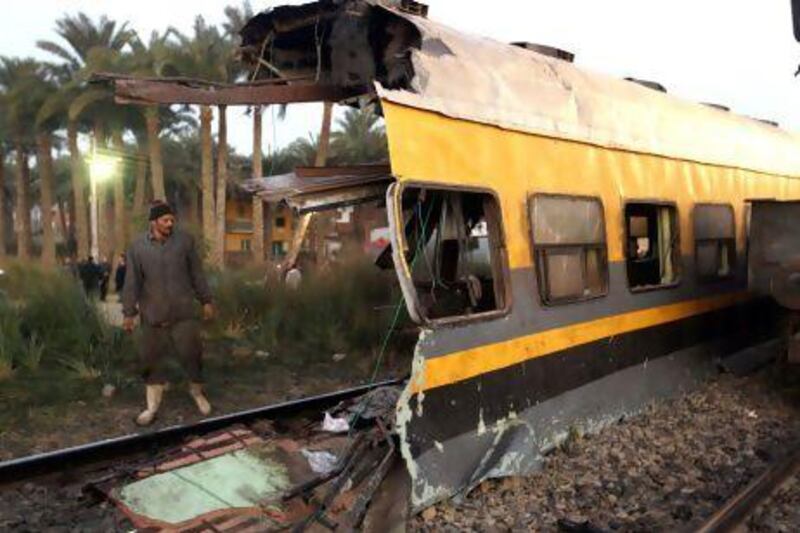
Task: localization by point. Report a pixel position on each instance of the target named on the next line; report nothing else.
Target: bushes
(346, 310)
(45, 320)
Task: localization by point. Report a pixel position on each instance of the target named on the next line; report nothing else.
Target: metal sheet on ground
(235, 480)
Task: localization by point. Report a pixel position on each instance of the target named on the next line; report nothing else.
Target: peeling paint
(421, 490)
(481, 423)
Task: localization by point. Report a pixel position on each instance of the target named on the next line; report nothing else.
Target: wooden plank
(149, 92)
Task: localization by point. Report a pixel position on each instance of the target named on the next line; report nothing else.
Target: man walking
(163, 277)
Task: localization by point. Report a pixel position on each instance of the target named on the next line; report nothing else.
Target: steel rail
(736, 510)
(66, 459)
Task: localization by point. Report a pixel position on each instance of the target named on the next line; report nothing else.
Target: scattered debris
(320, 462)
(109, 390)
(339, 357)
(284, 474)
(335, 425)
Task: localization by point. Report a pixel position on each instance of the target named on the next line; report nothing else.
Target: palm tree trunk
(62, 222)
(258, 203)
(120, 213)
(45, 163)
(81, 221)
(324, 135)
(105, 219)
(320, 161)
(24, 237)
(2, 203)
(222, 183)
(140, 187)
(154, 144)
(207, 175)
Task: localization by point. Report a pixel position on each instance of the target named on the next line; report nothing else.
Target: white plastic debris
(339, 357)
(320, 462)
(335, 425)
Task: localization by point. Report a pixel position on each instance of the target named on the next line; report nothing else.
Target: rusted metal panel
(129, 90)
(310, 189)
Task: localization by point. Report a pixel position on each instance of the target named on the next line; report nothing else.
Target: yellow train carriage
(572, 245)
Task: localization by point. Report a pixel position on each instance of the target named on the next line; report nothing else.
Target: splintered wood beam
(151, 92)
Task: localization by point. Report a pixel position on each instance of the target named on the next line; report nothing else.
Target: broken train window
(652, 251)
(453, 251)
(569, 242)
(715, 241)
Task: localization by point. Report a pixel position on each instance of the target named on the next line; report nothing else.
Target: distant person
(89, 272)
(163, 277)
(104, 275)
(294, 277)
(119, 275)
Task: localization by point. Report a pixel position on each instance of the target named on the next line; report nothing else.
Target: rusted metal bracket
(139, 91)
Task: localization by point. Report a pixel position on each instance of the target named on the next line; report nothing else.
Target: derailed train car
(572, 245)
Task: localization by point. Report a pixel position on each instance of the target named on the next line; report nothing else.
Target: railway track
(111, 451)
(735, 512)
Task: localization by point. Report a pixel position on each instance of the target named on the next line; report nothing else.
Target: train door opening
(651, 245)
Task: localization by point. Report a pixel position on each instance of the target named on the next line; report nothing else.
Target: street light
(101, 168)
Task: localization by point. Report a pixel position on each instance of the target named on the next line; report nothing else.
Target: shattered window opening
(569, 241)
(652, 246)
(453, 251)
(715, 241)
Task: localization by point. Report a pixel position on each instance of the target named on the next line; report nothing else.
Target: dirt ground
(51, 411)
(663, 470)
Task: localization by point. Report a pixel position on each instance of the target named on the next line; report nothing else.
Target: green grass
(346, 310)
(47, 322)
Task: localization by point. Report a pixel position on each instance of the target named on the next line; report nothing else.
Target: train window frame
(677, 262)
(732, 252)
(539, 251)
(502, 273)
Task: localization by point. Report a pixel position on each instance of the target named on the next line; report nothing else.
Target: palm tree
(236, 18)
(360, 138)
(82, 38)
(3, 137)
(22, 84)
(206, 54)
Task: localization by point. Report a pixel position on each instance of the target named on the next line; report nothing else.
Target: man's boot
(154, 394)
(196, 391)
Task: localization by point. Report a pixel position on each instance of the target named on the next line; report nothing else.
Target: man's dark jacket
(163, 279)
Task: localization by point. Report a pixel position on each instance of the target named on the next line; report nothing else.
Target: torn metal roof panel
(320, 188)
(141, 91)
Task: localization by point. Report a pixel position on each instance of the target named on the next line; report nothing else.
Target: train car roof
(479, 79)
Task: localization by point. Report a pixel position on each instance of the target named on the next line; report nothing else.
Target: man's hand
(128, 323)
(208, 312)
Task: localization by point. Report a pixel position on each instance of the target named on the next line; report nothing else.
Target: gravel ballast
(663, 470)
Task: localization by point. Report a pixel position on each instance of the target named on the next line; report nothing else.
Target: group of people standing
(95, 277)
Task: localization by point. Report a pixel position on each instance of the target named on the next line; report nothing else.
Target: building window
(569, 243)
(714, 241)
(454, 252)
(652, 248)
(280, 222)
(245, 245)
(241, 210)
(279, 248)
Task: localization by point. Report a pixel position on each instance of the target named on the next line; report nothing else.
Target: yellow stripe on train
(459, 366)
